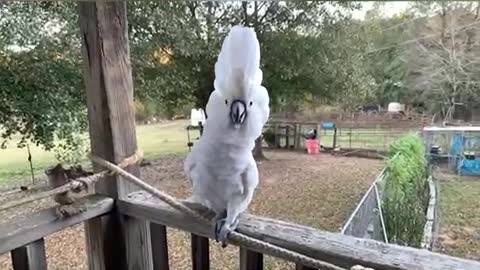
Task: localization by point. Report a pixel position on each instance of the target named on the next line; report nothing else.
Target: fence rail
(24, 238)
(45, 222)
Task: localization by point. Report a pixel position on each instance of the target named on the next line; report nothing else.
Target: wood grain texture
(342, 250)
(43, 223)
(30, 257)
(250, 260)
(200, 252)
(159, 246)
(301, 267)
(109, 88)
(94, 244)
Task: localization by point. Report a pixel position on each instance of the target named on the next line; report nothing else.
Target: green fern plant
(405, 191)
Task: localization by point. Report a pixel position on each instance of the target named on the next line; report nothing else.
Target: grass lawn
(460, 217)
(155, 140)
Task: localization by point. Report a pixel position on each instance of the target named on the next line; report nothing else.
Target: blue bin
(328, 125)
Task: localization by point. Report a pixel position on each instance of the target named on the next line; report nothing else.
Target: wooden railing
(25, 239)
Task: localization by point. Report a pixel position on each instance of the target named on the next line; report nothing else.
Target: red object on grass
(312, 146)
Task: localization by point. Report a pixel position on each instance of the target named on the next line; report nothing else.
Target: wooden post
(287, 137)
(124, 241)
(334, 137)
(159, 247)
(277, 136)
(298, 130)
(301, 267)
(200, 253)
(250, 260)
(30, 257)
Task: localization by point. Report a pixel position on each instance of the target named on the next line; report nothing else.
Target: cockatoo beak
(238, 113)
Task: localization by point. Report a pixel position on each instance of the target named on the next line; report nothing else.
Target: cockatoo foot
(223, 230)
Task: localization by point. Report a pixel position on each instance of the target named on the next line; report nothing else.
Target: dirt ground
(319, 191)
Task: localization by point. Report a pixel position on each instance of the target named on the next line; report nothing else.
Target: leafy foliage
(41, 86)
(73, 149)
(405, 191)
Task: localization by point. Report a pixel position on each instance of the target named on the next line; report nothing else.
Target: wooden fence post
(124, 242)
(250, 260)
(200, 252)
(30, 257)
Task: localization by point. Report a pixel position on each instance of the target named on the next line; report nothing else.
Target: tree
(41, 96)
(384, 57)
(444, 59)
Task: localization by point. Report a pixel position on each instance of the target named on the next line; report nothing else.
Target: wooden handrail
(43, 223)
(344, 251)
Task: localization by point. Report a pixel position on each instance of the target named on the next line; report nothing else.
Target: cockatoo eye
(226, 101)
(251, 103)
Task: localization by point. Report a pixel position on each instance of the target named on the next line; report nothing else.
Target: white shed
(396, 107)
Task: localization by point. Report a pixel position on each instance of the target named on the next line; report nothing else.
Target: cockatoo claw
(222, 231)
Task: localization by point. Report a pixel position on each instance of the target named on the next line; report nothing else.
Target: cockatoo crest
(239, 99)
(238, 66)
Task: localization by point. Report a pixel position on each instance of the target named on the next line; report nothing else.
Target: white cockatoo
(221, 166)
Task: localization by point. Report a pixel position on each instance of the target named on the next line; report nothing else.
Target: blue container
(328, 125)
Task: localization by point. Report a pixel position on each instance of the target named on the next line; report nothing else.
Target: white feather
(238, 62)
(220, 166)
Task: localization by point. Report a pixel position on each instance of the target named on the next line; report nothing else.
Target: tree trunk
(258, 150)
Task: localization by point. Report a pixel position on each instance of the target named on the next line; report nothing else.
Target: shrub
(405, 191)
(73, 150)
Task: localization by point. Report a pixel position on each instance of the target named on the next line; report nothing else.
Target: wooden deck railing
(25, 239)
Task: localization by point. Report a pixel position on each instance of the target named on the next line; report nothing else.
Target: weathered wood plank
(138, 243)
(159, 246)
(109, 88)
(250, 260)
(94, 236)
(200, 252)
(40, 224)
(30, 257)
(338, 249)
(301, 267)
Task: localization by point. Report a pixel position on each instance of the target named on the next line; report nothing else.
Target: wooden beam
(108, 81)
(250, 260)
(159, 247)
(30, 257)
(43, 223)
(200, 252)
(342, 250)
(301, 267)
(94, 236)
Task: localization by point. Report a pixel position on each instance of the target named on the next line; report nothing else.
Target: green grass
(155, 140)
(460, 216)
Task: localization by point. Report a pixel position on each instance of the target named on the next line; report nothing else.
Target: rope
(234, 237)
(76, 185)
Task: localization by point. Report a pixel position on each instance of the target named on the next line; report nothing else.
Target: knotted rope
(75, 185)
